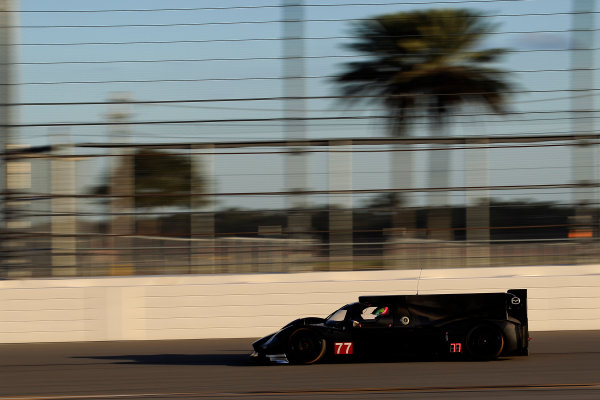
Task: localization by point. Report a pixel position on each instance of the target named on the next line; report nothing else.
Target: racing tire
(305, 346)
(485, 342)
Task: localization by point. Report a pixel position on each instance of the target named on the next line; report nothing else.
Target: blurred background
(294, 135)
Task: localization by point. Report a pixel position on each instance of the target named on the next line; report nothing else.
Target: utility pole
(63, 205)
(8, 79)
(8, 118)
(121, 189)
(582, 108)
(202, 210)
(340, 205)
(439, 218)
(477, 206)
(294, 113)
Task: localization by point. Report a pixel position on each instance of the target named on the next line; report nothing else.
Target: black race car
(480, 326)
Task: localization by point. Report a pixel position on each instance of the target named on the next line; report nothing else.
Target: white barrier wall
(252, 305)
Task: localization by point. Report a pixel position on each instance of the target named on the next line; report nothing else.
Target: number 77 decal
(455, 348)
(342, 348)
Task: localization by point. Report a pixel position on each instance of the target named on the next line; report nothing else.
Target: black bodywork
(477, 326)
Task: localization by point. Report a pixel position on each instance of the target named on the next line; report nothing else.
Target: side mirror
(356, 324)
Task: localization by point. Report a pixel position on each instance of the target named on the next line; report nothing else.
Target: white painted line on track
(445, 389)
(102, 396)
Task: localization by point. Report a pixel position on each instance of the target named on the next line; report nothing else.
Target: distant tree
(424, 63)
(161, 179)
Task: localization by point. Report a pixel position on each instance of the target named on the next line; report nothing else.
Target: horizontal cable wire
(278, 98)
(354, 109)
(238, 59)
(273, 119)
(282, 119)
(473, 146)
(264, 6)
(365, 195)
(273, 21)
(18, 196)
(354, 173)
(260, 140)
(42, 212)
(277, 39)
(198, 80)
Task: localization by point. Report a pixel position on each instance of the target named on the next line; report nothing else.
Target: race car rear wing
(517, 307)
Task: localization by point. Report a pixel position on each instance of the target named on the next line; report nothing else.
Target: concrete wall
(251, 305)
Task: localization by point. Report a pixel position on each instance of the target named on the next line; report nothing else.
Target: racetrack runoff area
(252, 305)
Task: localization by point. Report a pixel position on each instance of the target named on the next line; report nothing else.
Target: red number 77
(343, 348)
(455, 347)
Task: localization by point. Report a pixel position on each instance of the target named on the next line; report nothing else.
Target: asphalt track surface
(561, 365)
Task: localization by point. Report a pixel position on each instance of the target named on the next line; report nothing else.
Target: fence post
(340, 205)
(63, 210)
(202, 211)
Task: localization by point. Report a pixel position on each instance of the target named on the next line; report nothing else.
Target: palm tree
(424, 64)
(161, 179)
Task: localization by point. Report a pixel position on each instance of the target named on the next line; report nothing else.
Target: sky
(214, 49)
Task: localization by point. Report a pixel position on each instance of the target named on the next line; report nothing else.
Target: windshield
(337, 316)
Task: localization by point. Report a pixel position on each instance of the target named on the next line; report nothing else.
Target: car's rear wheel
(305, 346)
(485, 342)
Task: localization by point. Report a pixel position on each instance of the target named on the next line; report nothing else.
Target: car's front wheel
(305, 346)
